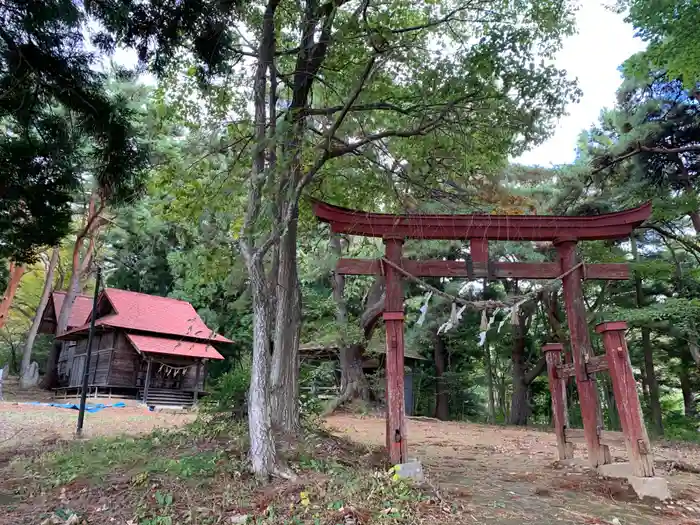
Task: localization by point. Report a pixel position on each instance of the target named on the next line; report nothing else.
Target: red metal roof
(80, 311)
(164, 345)
(151, 313)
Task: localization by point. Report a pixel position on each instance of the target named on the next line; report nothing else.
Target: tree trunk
(645, 387)
(520, 408)
(522, 377)
(353, 383)
(654, 402)
(442, 409)
(16, 273)
(491, 416)
(51, 377)
(262, 441)
(694, 349)
(688, 394)
(502, 401)
(695, 219)
(93, 222)
(31, 336)
(284, 372)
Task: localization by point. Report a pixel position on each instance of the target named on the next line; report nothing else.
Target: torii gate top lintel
(495, 227)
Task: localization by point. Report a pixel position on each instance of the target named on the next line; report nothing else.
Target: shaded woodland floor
(197, 474)
(508, 475)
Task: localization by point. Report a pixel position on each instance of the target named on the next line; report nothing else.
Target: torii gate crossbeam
(565, 232)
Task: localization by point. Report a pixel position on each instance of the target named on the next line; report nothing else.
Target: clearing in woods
(508, 475)
(25, 425)
(476, 474)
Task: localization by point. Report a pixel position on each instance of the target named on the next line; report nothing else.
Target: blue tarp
(88, 408)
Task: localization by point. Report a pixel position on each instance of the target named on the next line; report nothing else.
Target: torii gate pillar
(581, 349)
(479, 230)
(393, 321)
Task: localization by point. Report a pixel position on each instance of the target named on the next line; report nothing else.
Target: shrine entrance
(564, 232)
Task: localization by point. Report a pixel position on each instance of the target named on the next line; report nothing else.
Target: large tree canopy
(670, 28)
(424, 99)
(58, 123)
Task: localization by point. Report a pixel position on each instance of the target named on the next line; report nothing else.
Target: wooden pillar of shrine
(581, 350)
(557, 387)
(393, 321)
(626, 398)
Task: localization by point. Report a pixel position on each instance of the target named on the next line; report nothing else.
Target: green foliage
(679, 427)
(670, 29)
(229, 393)
(58, 122)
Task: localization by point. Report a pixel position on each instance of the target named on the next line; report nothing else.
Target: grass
(193, 476)
(94, 460)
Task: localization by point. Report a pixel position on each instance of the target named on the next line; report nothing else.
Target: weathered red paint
(479, 250)
(581, 349)
(393, 320)
(499, 270)
(482, 226)
(626, 398)
(565, 232)
(557, 387)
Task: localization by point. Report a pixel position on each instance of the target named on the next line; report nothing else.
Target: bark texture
(689, 403)
(262, 441)
(522, 376)
(93, 222)
(34, 329)
(353, 383)
(16, 273)
(650, 374)
(654, 400)
(284, 373)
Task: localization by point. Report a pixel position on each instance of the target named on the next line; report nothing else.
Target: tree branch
(647, 149)
(535, 371)
(375, 106)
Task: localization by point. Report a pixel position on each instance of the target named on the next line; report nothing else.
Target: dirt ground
(24, 424)
(509, 476)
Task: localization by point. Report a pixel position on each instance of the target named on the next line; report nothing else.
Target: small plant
(163, 500)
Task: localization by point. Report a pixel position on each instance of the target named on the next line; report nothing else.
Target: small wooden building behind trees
(147, 347)
(373, 361)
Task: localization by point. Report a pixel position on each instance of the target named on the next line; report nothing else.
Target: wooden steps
(168, 397)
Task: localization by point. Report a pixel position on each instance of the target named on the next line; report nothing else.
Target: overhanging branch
(648, 149)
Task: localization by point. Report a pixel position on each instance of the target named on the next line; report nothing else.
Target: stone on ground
(413, 470)
(31, 378)
(656, 487)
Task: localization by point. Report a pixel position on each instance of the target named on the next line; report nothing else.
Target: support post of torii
(565, 232)
(581, 350)
(393, 320)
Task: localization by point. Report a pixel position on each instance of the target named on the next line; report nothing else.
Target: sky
(593, 55)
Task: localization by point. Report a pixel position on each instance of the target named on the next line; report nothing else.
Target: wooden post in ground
(196, 380)
(557, 387)
(581, 350)
(148, 380)
(393, 321)
(626, 398)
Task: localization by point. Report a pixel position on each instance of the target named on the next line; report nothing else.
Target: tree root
(284, 472)
(335, 404)
(675, 464)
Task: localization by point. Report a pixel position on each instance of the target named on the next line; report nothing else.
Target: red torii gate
(565, 232)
